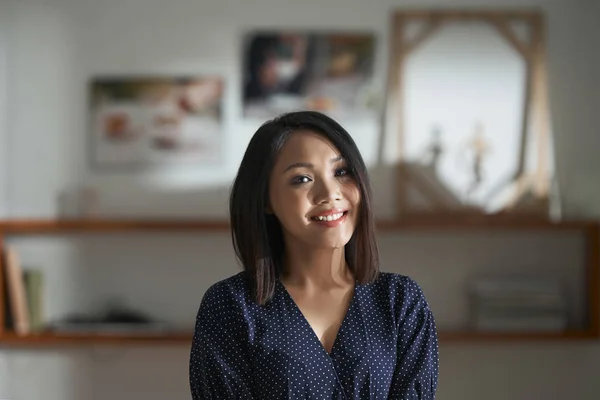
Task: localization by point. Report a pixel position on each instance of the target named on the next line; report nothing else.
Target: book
(16, 291)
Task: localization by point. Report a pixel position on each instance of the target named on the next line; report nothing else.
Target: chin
(322, 238)
(331, 243)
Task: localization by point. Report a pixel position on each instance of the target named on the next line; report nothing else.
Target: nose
(327, 191)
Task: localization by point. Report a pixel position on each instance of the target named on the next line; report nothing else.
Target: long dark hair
(257, 235)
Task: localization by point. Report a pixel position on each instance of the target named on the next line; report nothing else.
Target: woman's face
(312, 193)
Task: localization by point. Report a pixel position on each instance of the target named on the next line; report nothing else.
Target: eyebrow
(309, 165)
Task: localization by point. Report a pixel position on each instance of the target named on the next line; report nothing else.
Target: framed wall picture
(329, 72)
(138, 122)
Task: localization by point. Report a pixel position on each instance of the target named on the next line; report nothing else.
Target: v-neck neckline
(309, 326)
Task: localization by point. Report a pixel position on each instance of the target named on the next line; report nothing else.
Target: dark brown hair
(257, 236)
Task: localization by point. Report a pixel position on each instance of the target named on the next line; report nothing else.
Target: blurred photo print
(139, 121)
(327, 72)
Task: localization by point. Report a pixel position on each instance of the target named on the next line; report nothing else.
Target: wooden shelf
(107, 225)
(58, 226)
(590, 229)
(52, 339)
(449, 14)
(185, 338)
(466, 336)
(481, 223)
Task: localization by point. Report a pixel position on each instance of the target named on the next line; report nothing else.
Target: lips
(330, 218)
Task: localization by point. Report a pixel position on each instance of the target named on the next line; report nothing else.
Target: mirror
(468, 106)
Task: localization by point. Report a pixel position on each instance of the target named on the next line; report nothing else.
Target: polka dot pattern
(386, 347)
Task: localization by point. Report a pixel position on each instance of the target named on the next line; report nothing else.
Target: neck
(316, 268)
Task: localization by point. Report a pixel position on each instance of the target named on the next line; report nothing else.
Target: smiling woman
(311, 187)
(311, 315)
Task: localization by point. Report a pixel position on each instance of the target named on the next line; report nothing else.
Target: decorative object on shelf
(146, 121)
(34, 288)
(114, 319)
(16, 307)
(78, 202)
(518, 304)
(435, 150)
(324, 71)
(22, 294)
(480, 79)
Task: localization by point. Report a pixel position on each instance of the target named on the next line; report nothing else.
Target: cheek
(352, 194)
(287, 203)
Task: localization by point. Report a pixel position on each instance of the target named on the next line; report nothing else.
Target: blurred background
(483, 116)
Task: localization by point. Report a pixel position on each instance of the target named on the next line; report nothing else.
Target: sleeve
(219, 366)
(416, 373)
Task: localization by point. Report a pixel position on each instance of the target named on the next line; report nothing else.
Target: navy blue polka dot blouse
(386, 347)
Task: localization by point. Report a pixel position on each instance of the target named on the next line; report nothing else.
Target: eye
(298, 180)
(342, 172)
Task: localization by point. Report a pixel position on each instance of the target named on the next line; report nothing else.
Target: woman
(311, 316)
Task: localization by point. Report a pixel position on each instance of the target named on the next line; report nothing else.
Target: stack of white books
(517, 304)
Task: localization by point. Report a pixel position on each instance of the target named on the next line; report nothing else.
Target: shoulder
(234, 285)
(221, 321)
(224, 297)
(397, 285)
(401, 293)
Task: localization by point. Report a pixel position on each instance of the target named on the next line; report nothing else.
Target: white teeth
(331, 217)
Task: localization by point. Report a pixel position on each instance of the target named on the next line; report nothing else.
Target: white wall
(4, 365)
(56, 46)
(572, 36)
(4, 43)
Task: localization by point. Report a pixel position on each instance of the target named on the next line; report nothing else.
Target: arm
(416, 373)
(219, 367)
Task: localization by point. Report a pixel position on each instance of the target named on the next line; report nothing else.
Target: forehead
(307, 145)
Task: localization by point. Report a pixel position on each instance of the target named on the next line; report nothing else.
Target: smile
(331, 217)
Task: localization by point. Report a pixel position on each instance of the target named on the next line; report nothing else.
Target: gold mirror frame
(535, 111)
